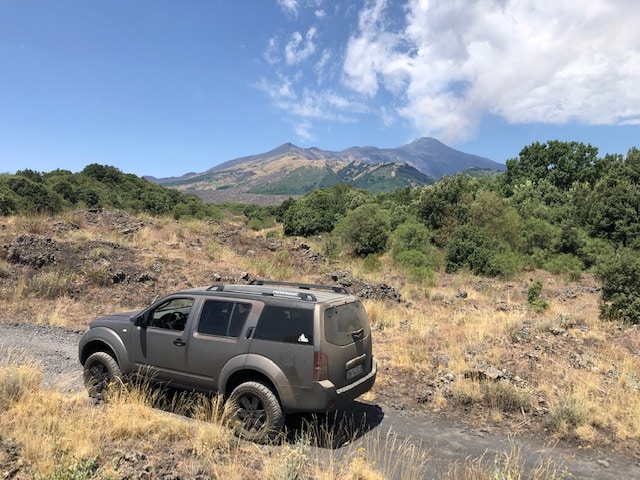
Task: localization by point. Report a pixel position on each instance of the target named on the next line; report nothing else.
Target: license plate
(355, 371)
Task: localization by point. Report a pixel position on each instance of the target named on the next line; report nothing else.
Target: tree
(33, 195)
(561, 163)
(614, 211)
(317, 212)
(491, 211)
(444, 206)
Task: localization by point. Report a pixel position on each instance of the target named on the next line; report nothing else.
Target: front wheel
(100, 372)
(257, 412)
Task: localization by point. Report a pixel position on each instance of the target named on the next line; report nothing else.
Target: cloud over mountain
(448, 63)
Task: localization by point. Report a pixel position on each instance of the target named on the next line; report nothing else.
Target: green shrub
(593, 250)
(540, 234)
(316, 212)
(257, 224)
(534, 301)
(620, 278)
(372, 263)
(365, 230)
(475, 248)
(411, 258)
(411, 235)
(422, 276)
(565, 264)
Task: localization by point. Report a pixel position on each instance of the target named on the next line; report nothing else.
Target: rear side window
(223, 318)
(345, 323)
(282, 324)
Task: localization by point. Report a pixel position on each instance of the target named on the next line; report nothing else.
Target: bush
(534, 301)
(365, 230)
(593, 250)
(418, 267)
(540, 235)
(565, 264)
(259, 218)
(620, 278)
(411, 258)
(474, 248)
(411, 235)
(372, 263)
(316, 212)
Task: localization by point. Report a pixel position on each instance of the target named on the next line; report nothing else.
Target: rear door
(347, 342)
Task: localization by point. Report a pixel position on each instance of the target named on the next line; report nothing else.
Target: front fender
(95, 339)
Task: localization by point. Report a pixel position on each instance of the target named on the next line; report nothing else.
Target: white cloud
(290, 7)
(303, 130)
(298, 48)
(271, 53)
(450, 61)
(321, 65)
(288, 94)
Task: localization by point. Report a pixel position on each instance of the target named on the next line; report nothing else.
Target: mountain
(289, 170)
(428, 155)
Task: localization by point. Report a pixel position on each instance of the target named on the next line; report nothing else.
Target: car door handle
(179, 343)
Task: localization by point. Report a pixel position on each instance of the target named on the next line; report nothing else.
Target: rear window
(342, 322)
(283, 324)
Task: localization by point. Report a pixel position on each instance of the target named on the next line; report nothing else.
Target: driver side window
(172, 314)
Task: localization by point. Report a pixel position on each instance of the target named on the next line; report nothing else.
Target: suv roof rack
(309, 297)
(302, 286)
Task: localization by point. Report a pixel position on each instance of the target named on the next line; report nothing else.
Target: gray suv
(270, 348)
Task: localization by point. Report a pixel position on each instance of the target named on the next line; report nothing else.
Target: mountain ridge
(290, 170)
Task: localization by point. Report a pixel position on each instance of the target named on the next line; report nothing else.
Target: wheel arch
(260, 369)
(248, 375)
(105, 340)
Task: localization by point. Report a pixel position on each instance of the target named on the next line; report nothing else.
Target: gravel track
(53, 349)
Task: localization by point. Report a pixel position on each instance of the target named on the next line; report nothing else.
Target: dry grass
(62, 436)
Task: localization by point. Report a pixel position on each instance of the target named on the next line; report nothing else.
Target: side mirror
(140, 321)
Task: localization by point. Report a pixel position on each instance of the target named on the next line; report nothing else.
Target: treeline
(558, 207)
(97, 186)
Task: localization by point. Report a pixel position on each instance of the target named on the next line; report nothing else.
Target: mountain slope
(428, 155)
(291, 170)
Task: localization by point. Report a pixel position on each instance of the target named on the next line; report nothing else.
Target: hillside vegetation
(511, 303)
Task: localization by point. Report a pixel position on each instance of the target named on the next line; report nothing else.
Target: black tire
(101, 371)
(257, 414)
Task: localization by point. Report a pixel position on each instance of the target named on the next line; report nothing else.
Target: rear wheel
(100, 372)
(257, 412)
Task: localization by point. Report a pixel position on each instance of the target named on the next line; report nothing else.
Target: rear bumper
(324, 396)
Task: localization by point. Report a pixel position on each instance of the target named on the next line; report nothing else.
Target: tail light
(320, 366)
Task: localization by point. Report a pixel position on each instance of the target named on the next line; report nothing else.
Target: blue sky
(163, 88)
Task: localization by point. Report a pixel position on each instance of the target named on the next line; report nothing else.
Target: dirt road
(444, 441)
